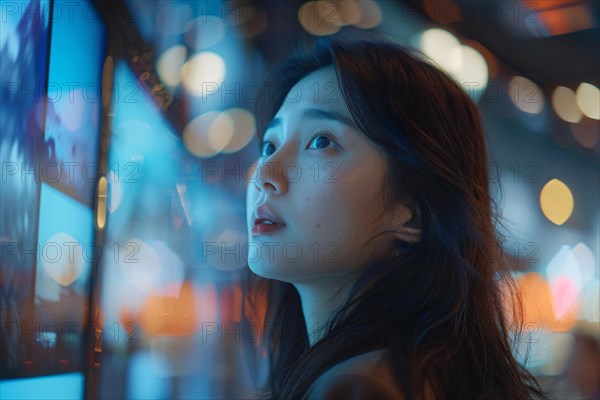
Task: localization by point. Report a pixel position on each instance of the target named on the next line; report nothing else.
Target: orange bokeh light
(538, 305)
(165, 315)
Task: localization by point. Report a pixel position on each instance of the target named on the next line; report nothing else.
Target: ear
(406, 220)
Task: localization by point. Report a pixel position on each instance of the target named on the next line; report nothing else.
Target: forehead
(320, 89)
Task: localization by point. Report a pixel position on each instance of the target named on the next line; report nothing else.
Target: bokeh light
(202, 69)
(537, 299)
(171, 315)
(586, 262)
(564, 295)
(320, 18)
(213, 132)
(169, 65)
(539, 308)
(564, 264)
(588, 100)
(208, 134)
(140, 263)
(591, 299)
(370, 14)
(244, 127)
(469, 67)
(63, 259)
(565, 106)
(493, 66)
(438, 44)
(220, 132)
(350, 11)
(464, 63)
(146, 264)
(526, 95)
(556, 201)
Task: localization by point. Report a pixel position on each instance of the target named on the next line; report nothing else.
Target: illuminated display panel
(52, 59)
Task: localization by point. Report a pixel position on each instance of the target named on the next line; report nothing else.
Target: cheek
(331, 213)
(320, 203)
(357, 206)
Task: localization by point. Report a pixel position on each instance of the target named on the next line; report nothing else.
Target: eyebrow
(316, 113)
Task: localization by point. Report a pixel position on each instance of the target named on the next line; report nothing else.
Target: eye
(321, 140)
(267, 148)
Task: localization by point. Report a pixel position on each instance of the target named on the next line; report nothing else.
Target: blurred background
(127, 141)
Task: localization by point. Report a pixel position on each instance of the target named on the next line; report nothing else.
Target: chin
(263, 269)
(269, 270)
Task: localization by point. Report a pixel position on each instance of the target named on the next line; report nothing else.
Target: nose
(269, 176)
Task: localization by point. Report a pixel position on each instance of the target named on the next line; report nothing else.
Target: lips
(265, 220)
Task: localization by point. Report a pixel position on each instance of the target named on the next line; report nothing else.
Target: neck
(319, 302)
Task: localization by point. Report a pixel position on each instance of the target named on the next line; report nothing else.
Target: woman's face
(323, 179)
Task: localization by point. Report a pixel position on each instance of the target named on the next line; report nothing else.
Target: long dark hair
(438, 306)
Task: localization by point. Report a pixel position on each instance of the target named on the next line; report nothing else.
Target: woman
(370, 215)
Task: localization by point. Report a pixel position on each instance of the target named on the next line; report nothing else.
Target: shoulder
(366, 376)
